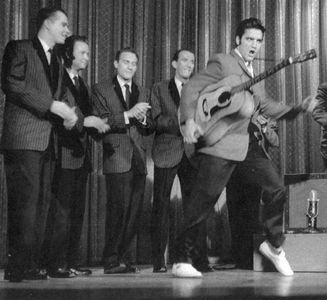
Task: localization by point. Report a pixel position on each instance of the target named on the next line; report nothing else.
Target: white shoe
(185, 270)
(279, 260)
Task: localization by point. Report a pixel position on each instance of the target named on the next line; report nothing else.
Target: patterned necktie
(127, 94)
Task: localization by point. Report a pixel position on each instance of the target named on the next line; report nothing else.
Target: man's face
(81, 54)
(250, 43)
(184, 66)
(126, 65)
(58, 27)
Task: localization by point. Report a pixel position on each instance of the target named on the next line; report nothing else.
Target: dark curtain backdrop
(156, 28)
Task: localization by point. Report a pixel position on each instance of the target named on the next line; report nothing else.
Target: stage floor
(223, 284)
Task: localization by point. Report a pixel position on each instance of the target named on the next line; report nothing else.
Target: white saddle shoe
(185, 270)
(278, 259)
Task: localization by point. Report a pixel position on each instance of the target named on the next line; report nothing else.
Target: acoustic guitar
(219, 102)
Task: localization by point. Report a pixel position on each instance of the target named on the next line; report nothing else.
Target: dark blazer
(319, 114)
(122, 140)
(73, 144)
(168, 147)
(27, 84)
(234, 144)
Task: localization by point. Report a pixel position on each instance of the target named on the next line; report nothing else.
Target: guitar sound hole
(223, 98)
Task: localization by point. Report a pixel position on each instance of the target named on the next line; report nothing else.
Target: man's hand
(191, 132)
(64, 111)
(138, 111)
(99, 124)
(308, 104)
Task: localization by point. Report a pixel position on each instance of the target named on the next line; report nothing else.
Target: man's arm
(319, 112)
(163, 123)
(115, 120)
(14, 83)
(17, 90)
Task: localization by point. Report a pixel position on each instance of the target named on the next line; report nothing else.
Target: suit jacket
(168, 148)
(122, 141)
(26, 82)
(234, 144)
(74, 143)
(319, 114)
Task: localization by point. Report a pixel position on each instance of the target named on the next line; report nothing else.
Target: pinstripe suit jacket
(234, 144)
(168, 147)
(319, 113)
(27, 85)
(122, 140)
(74, 144)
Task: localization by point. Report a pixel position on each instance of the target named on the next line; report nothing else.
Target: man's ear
(237, 40)
(174, 64)
(116, 64)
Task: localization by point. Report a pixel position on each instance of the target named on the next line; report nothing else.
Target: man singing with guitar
(225, 142)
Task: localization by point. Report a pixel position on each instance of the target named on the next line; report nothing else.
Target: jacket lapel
(241, 63)
(174, 91)
(40, 51)
(134, 95)
(119, 92)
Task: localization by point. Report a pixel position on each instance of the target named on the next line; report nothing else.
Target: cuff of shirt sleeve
(126, 118)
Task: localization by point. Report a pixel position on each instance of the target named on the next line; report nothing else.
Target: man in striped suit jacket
(126, 105)
(74, 164)
(170, 159)
(32, 83)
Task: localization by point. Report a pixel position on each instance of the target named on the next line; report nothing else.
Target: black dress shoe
(160, 269)
(35, 274)
(132, 269)
(60, 273)
(80, 271)
(115, 268)
(13, 276)
(204, 268)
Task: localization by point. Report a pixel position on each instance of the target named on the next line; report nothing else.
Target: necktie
(127, 94)
(76, 83)
(53, 69)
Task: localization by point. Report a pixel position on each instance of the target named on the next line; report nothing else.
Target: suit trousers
(212, 177)
(125, 192)
(69, 208)
(29, 176)
(163, 182)
(244, 203)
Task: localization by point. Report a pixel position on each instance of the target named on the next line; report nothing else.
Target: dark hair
(123, 50)
(251, 23)
(176, 54)
(68, 48)
(45, 13)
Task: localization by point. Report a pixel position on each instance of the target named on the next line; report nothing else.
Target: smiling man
(126, 106)
(170, 159)
(72, 170)
(32, 82)
(238, 149)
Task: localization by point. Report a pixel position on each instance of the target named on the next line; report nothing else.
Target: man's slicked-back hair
(176, 54)
(126, 49)
(68, 48)
(250, 23)
(45, 13)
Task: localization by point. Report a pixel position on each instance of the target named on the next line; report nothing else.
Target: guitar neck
(246, 85)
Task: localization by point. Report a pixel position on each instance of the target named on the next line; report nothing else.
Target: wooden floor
(224, 284)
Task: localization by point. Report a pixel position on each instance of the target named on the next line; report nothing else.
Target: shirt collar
(122, 82)
(45, 46)
(248, 64)
(71, 74)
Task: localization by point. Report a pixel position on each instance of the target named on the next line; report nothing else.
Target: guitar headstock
(310, 54)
